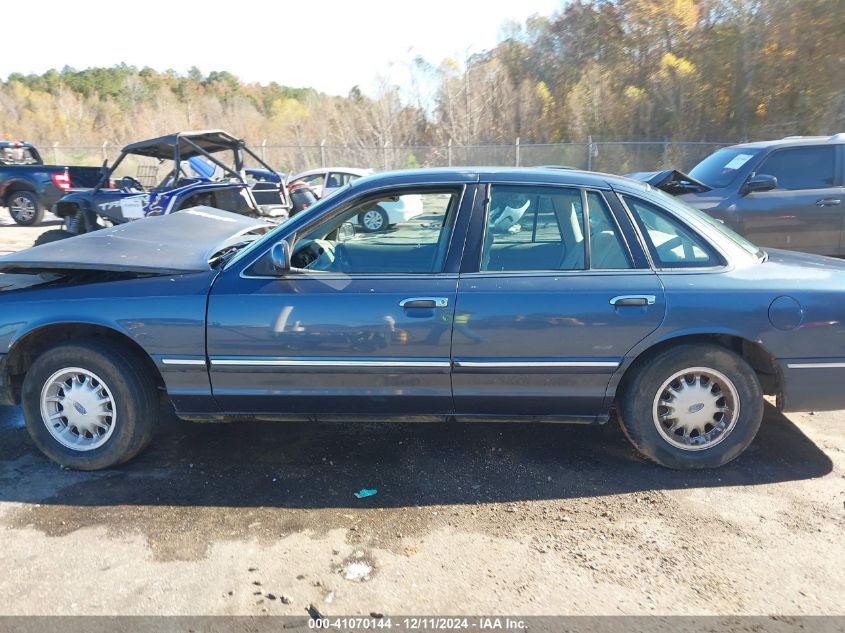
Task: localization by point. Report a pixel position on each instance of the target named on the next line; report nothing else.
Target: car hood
(182, 242)
(671, 181)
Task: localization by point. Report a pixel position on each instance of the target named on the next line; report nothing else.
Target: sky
(331, 45)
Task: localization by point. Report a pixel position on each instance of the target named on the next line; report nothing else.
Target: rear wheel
(374, 220)
(89, 405)
(25, 208)
(692, 406)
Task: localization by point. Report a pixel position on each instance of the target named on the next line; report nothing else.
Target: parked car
(207, 168)
(788, 193)
(327, 180)
(613, 299)
(28, 187)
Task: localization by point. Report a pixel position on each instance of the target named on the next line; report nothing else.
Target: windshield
(721, 168)
(685, 212)
(272, 236)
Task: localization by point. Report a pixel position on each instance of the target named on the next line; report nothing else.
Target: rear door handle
(828, 202)
(424, 302)
(632, 300)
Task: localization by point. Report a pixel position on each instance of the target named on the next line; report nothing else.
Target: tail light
(61, 180)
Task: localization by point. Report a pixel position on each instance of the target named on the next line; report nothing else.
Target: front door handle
(424, 302)
(828, 202)
(632, 300)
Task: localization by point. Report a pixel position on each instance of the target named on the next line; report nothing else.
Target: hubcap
(373, 220)
(78, 409)
(22, 208)
(696, 408)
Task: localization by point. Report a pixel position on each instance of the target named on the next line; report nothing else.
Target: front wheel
(89, 404)
(25, 208)
(692, 406)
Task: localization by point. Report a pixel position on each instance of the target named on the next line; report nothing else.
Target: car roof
(795, 141)
(515, 175)
(162, 147)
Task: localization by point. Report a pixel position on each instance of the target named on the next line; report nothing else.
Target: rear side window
(670, 242)
(533, 228)
(801, 167)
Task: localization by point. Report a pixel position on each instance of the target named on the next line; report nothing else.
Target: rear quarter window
(670, 243)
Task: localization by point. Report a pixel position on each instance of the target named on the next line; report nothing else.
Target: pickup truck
(787, 193)
(28, 186)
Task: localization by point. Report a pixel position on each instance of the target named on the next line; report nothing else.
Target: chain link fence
(609, 156)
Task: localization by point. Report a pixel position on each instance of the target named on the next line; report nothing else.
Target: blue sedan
(516, 295)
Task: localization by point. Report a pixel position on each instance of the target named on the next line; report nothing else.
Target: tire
(708, 432)
(53, 235)
(374, 220)
(25, 208)
(95, 369)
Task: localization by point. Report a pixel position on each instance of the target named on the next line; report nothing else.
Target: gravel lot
(260, 518)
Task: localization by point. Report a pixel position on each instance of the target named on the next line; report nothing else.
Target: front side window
(671, 244)
(801, 167)
(405, 233)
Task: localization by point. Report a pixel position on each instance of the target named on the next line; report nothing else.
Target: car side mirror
(280, 256)
(760, 182)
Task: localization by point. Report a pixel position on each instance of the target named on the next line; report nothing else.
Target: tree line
(721, 70)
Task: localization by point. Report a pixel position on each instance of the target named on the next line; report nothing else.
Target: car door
(361, 324)
(547, 308)
(806, 210)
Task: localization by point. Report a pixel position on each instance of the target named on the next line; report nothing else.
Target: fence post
(264, 150)
(105, 150)
(323, 153)
(449, 152)
(517, 151)
(589, 153)
(55, 152)
(384, 155)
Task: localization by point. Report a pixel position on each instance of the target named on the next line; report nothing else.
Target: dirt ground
(260, 518)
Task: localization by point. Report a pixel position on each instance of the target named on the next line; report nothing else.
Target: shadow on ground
(297, 465)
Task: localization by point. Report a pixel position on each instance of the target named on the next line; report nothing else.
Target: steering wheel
(314, 255)
(128, 182)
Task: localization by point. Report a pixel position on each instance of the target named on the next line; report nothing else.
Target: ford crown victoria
(541, 294)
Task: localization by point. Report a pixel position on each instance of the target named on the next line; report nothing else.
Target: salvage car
(207, 168)
(612, 300)
(28, 187)
(788, 193)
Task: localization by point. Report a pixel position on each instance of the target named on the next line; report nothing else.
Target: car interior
(548, 233)
(416, 246)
